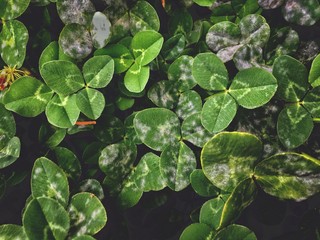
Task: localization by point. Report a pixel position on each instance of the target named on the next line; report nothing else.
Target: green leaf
(304, 13)
(289, 176)
(136, 78)
(229, 157)
(204, 3)
(225, 37)
(92, 186)
(27, 96)
(211, 211)
(193, 131)
(312, 102)
(253, 87)
(235, 232)
(13, 9)
(48, 180)
(218, 112)
(10, 153)
(173, 47)
(131, 134)
(181, 71)
(62, 111)
(12, 232)
(146, 46)
(116, 161)
(51, 136)
(87, 214)
(90, 102)
(75, 41)
(180, 22)
(100, 30)
(294, 126)
(63, 77)
(314, 75)
(83, 237)
(201, 184)
(209, 72)
(223, 12)
(73, 11)
(189, 103)
(13, 37)
(283, 41)
(164, 94)
(241, 197)
(197, 231)
(245, 7)
(124, 103)
(109, 129)
(69, 162)
(143, 17)
(98, 71)
(176, 164)
(248, 56)
(120, 54)
(7, 124)
(45, 218)
(160, 133)
(292, 78)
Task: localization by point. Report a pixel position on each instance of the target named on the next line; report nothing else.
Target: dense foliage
(131, 101)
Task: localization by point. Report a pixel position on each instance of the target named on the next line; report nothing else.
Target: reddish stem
(85, 123)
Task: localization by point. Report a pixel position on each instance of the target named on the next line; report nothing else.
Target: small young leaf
(292, 78)
(289, 176)
(229, 157)
(136, 78)
(27, 96)
(48, 180)
(180, 22)
(312, 102)
(69, 162)
(160, 133)
(146, 46)
(235, 232)
(245, 7)
(253, 87)
(84, 237)
(120, 54)
(98, 71)
(91, 102)
(304, 13)
(13, 9)
(75, 40)
(62, 111)
(10, 153)
(210, 72)
(100, 30)
(218, 112)
(63, 77)
(197, 231)
(51, 136)
(201, 184)
(294, 126)
(12, 232)
(87, 214)
(204, 3)
(13, 37)
(193, 131)
(314, 75)
(143, 17)
(176, 164)
(74, 11)
(164, 94)
(180, 71)
(241, 197)
(189, 103)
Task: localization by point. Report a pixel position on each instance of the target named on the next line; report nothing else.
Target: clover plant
(135, 111)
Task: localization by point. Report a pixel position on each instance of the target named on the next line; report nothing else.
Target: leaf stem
(85, 123)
